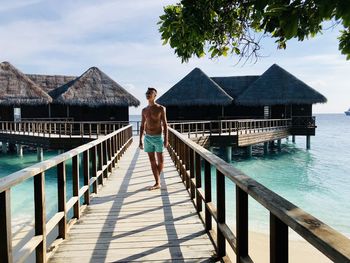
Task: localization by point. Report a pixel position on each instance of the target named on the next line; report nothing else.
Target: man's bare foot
(154, 187)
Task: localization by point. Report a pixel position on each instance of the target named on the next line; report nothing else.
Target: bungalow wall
(288, 111)
(6, 113)
(302, 110)
(243, 112)
(85, 113)
(175, 113)
(34, 111)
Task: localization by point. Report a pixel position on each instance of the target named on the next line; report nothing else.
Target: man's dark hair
(152, 89)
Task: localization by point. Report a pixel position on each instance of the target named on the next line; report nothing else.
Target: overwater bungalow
(274, 94)
(20, 95)
(93, 96)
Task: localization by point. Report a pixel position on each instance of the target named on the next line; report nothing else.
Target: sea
(316, 180)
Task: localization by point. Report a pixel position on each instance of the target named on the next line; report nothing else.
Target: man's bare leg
(160, 160)
(155, 170)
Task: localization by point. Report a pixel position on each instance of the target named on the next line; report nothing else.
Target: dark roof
(50, 82)
(196, 88)
(277, 86)
(236, 85)
(17, 89)
(93, 88)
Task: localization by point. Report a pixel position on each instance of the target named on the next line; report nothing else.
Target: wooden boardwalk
(125, 222)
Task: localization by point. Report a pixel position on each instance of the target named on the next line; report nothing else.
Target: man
(153, 118)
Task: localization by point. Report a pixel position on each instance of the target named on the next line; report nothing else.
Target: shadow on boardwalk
(125, 222)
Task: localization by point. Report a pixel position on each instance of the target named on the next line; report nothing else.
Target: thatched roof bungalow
(274, 94)
(196, 94)
(17, 90)
(93, 96)
(50, 82)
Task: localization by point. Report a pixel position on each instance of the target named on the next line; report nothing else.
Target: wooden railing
(188, 158)
(100, 155)
(229, 127)
(60, 128)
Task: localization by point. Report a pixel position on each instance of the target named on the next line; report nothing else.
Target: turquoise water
(22, 197)
(317, 180)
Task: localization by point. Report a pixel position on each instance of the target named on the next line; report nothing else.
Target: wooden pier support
(279, 145)
(11, 147)
(228, 154)
(40, 154)
(266, 147)
(19, 148)
(272, 144)
(4, 147)
(249, 150)
(293, 138)
(308, 142)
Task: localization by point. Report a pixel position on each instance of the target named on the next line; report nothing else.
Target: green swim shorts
(153, 143)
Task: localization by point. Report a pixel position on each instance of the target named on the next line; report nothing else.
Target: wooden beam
(242, 224)
(278, 240)
(40, 216)
(5, 227)
(61, 185)
(221, 212)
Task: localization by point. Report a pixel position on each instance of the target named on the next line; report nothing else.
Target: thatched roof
(17, 89)
(50, 82)
(195, 89)
(235, 85)
(93, 88)
(277, 86)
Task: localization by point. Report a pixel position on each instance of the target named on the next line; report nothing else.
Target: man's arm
(165, 127)
(142, 128)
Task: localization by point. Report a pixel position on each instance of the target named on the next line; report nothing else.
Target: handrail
(60, 128)
(101, 155)
(188, 156)
(230, 127)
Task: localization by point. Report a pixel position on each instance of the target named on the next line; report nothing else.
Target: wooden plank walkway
(125, 222)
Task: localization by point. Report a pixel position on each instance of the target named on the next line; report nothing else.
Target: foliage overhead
(220, 27)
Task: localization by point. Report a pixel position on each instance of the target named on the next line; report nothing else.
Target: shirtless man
(153, 118)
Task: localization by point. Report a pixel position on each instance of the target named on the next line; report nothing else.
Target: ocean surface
(316, 180)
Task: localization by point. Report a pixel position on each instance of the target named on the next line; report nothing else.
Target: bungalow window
(266, 112)
(17, 114)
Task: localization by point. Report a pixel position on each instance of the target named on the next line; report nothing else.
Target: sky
(121, 38)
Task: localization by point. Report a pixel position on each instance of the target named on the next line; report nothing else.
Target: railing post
(105, 157)
(75, 177)
(5, 227)
(61, 187)
(94, 169)
(278, 240)
(113, 151)
(110, 157)
(189, 178)
(86, 161)
(40, 216)
(100, 162)
(221, 213)
(207, 192)
(242, 224)
(198, 182)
